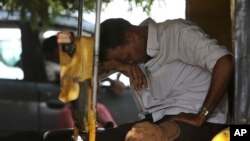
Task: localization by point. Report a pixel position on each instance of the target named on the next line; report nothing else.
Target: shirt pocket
(160, 86)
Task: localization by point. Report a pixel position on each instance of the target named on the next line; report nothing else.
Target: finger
(64, 34)
(65, 38)
(136, 79)
(131, 76)
(143, 79)
(139, 78)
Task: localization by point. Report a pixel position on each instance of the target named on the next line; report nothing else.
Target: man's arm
(135, 74)
(221, 76)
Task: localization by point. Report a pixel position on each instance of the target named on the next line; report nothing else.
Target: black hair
(49, 45)
(112, 34)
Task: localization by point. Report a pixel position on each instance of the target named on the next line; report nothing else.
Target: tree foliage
(42, 12)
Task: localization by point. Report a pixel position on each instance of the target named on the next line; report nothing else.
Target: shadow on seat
(61, 135)
(65, 135)
(22, 136)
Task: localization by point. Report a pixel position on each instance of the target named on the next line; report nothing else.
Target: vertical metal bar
(241, 42)
(92, 107)
(78, 105)
(96, 50)
(80, 11)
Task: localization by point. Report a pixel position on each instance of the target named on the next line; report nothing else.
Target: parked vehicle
(28, 102)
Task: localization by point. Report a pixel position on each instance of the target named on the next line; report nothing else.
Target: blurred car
(28, 102)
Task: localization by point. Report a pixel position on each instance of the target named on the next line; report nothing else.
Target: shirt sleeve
(197, 48)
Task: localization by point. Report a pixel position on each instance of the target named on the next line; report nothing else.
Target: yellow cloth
(76, 69)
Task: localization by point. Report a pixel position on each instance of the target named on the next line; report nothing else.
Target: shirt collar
(152, 42)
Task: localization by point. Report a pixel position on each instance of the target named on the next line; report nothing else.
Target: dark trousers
(187, 132)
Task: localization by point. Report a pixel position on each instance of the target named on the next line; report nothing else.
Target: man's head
(122, 41)
(50, 49)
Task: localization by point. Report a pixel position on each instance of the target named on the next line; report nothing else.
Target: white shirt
(179, 73)
(52, 70)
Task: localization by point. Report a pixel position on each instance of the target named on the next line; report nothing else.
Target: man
(51, 56)
(179, 76)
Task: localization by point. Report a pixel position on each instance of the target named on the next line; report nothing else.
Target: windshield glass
(10, 53)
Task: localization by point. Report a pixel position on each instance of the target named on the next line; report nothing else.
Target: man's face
(133, 51)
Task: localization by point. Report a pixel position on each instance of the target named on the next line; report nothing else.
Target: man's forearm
(221, 76)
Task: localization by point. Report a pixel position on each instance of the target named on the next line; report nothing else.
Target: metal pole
(78, 111)
(96, 51)
(80, 11)
(241, 42)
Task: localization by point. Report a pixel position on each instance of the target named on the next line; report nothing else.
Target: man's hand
(65, 37)
(136, 75)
